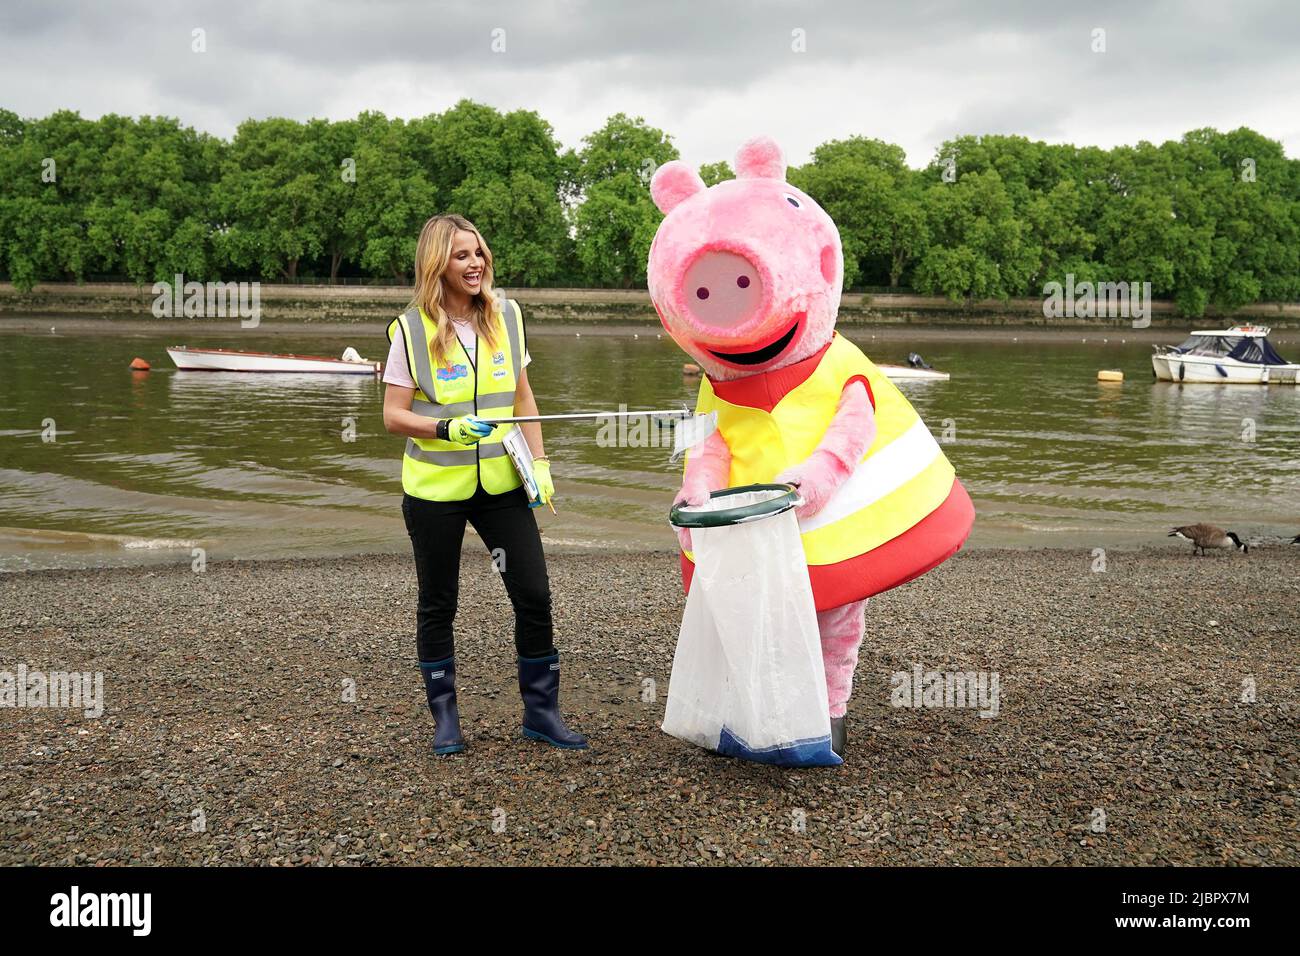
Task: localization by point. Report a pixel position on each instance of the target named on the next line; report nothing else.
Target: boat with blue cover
(1241, 355)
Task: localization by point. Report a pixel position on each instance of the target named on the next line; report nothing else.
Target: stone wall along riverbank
(352, 303)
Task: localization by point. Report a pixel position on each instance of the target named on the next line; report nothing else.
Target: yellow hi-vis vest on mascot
(902, 510)
(445, 470)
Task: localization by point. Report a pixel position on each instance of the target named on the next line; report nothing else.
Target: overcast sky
(710, 74)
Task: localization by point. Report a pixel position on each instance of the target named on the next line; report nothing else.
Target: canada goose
(1205, 536)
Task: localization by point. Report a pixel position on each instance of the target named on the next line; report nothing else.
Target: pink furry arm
(708, 468)
(849, 435)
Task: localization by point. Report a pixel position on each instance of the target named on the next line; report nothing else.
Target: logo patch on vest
(456, 371)
(499, 373)
(498, 358)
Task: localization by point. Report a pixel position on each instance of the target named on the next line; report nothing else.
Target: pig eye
(792, 201)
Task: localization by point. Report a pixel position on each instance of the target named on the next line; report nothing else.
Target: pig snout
(722, 290)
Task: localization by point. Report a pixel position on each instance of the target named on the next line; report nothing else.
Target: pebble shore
(271, 713)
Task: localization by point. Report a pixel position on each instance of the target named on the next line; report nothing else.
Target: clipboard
(522, 457)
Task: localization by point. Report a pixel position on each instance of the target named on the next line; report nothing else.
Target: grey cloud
(1017, 66)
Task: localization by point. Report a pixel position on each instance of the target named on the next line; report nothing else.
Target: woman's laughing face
(464, 273)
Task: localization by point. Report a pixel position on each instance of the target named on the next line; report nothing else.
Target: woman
(456, 354)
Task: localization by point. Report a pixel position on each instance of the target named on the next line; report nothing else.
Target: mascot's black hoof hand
(838, 736)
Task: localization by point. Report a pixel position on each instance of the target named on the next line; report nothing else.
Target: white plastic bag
(748, 679)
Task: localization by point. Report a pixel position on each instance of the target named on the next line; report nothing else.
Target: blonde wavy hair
(432, 256)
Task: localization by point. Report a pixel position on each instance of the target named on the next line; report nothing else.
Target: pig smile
(765, 353)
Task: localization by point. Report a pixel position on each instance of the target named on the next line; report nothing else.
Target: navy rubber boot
(440, 687)
(539, 685)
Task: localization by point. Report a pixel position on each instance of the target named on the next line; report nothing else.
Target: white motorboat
(1240, 355)
(917, 369)
(906, 373)
(228, 360)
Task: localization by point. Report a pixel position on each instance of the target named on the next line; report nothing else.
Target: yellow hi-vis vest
(444, 470)
(902, 479)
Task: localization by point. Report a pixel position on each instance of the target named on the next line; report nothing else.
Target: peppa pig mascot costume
(746, 278)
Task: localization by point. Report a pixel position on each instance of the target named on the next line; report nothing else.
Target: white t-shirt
(398, 372)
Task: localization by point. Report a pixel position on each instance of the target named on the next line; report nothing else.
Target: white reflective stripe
(509, 316)
(887, 470)
(460, 456)
(434, 410)
(415, 337)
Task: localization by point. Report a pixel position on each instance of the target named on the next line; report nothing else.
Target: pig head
(745, 275)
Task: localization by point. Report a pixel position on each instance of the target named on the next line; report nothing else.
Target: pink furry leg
(841, 632)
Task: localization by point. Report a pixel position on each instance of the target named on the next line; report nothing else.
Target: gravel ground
(225, 737)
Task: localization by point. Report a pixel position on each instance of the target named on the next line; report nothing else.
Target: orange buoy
(690, 368)
(140, 365)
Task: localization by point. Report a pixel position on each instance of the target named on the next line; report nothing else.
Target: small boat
(1239, 355)
(229, 360)
(917, 369)
(906, 373)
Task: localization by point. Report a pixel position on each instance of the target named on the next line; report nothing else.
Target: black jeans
(509, 530)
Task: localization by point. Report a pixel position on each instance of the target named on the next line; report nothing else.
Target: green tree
(875, 199)
(334, 146)
(271, 199)
(1211, 220)
(977, 246)
(616, 220)
(394, 198)
(114, 195)
(714, 173)
(504, 172)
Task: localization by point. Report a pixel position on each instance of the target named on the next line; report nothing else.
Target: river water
(144, 467)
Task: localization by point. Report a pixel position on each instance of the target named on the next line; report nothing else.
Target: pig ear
(673, 182)
(760, 158)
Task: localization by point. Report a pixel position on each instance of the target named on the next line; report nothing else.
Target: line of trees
(1210, 220)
